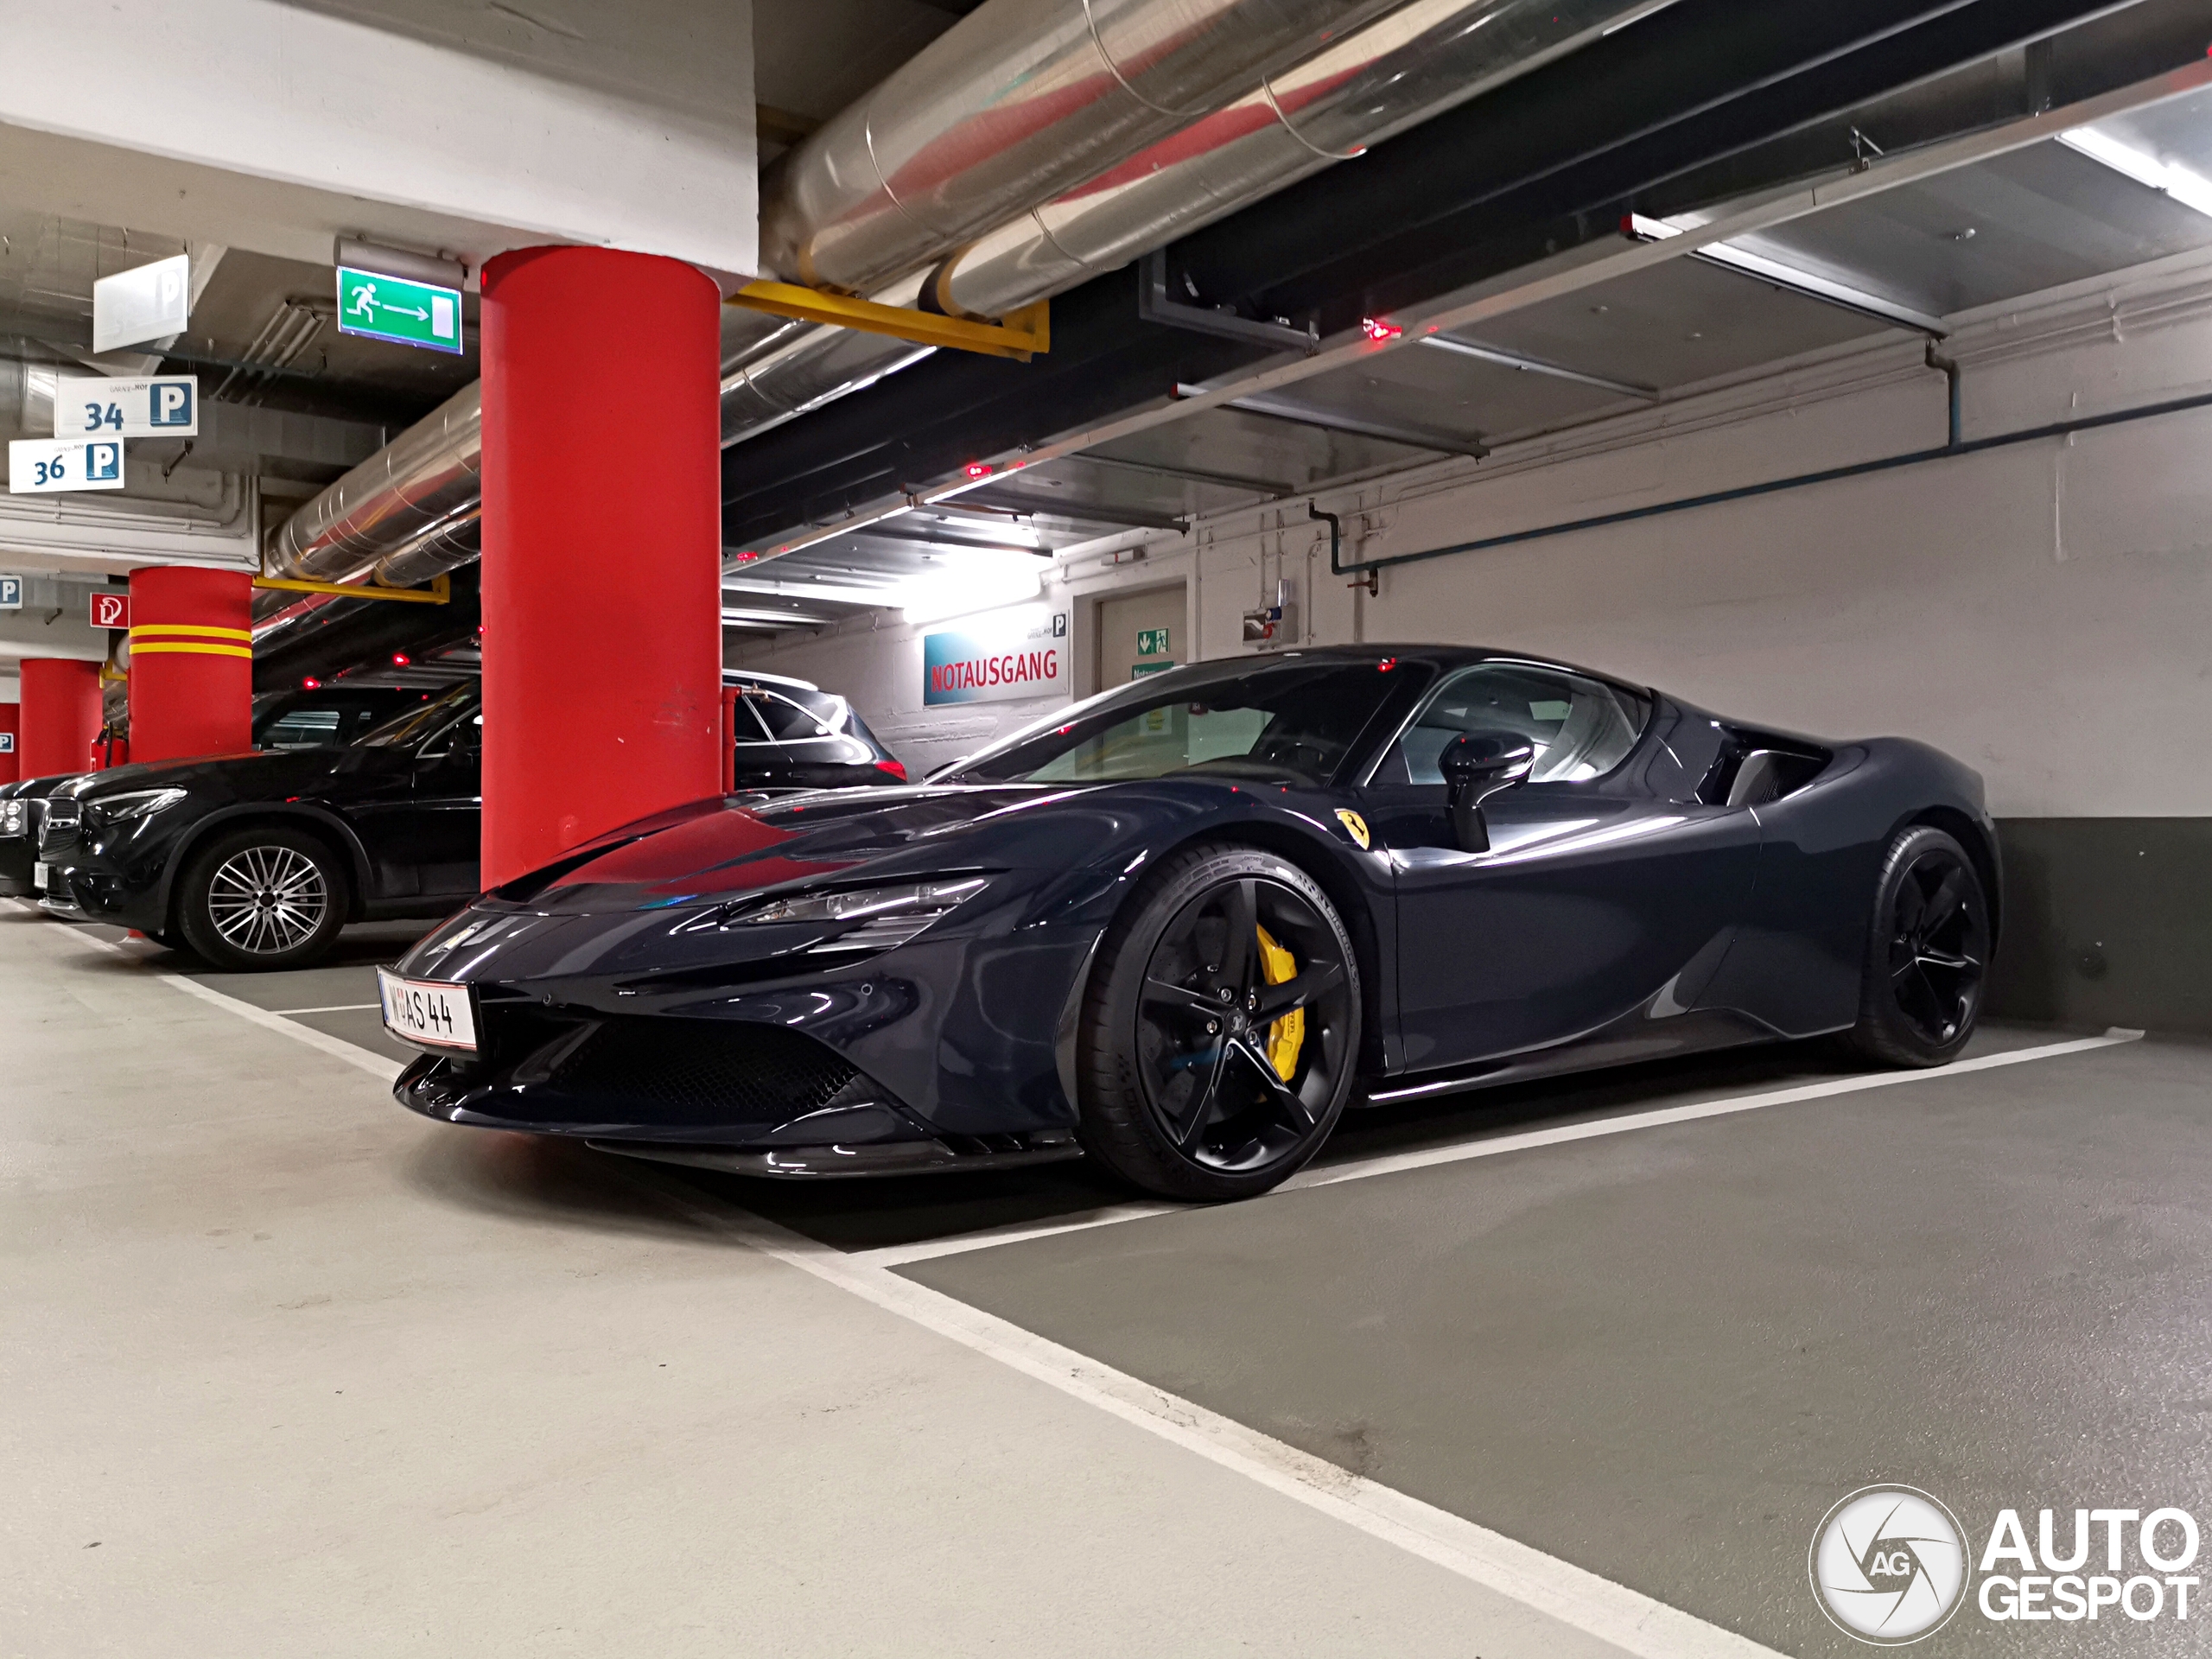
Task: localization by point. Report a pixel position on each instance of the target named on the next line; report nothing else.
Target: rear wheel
(1927, 953)
(1221, 1027)
(261, 899)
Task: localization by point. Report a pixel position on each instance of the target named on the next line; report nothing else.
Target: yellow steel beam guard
(1021, 335)
(440, 591)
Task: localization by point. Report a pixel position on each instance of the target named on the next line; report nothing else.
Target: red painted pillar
(61, 714)
(11, 726)
(602, 546)
(191, 661)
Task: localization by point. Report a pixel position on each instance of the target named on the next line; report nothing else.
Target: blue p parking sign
(11, 593)
(103, 461)
(170, 403)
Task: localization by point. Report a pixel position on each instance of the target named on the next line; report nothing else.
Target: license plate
(38, 877)
(428, 1012)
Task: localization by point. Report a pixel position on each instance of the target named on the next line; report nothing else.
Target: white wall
(2043, 611)
(277, 125)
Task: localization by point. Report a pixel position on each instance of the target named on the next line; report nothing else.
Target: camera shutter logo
(1888, 1565)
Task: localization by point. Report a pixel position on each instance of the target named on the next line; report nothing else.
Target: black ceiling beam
(359, 633)
(1541, 163)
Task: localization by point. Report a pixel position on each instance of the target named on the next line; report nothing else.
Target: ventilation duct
(1020, 100)
(1416, 63)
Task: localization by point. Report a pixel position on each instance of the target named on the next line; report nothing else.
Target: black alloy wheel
(1221, 1027)
(1928, 955)
(261, 899)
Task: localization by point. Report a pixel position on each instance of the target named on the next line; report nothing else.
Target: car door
(446, 815)
(1598, 896)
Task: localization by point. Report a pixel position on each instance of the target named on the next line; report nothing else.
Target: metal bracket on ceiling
(1021, 335)
(440, 592)
(1153, 305)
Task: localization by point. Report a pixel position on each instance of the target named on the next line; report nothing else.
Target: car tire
(1188, 1024)
(1928, 950)
(262, 898)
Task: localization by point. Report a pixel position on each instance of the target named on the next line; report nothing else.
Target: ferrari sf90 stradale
(1180, 927)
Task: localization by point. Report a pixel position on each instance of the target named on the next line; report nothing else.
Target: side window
(832, 712)
(745, 725)
(304, 728)
(1581, 728)
(462, 740)
(787, 722)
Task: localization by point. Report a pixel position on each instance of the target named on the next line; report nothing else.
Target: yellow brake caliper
(1287, 1035)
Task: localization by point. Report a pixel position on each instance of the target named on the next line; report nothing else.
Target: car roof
(754, 676)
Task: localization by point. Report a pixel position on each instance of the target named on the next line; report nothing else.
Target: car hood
(270, 775)
(715, 851)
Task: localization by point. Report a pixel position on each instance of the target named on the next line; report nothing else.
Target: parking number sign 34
(158, 406)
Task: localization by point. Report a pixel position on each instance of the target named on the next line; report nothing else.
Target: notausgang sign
(1000, 665)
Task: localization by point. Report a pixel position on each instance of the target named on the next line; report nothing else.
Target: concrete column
(11, 726)
(602, 546)
(60, 715)
(191, 663)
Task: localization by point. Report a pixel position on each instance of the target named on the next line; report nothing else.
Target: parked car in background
(327, 717)
(256, 861)
(793, 735)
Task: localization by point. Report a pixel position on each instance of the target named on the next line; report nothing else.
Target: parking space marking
(1629, 1619)
(337, 1048)
(1395, 1163)
(1495, 1146)
(335, 1008)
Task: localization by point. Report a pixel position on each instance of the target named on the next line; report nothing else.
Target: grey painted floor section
(287, 1372)
(318, 1377)
(1664, 1356)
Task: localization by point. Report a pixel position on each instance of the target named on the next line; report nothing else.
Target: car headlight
(134, 804)
(884, 916)
(13, 819)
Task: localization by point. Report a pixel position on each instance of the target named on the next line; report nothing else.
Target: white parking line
(379, 1065)
(1627, 1619)
(335, 1008)
(895, 1256)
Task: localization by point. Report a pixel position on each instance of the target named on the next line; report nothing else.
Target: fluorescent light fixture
(2191, 189)
(971, 582)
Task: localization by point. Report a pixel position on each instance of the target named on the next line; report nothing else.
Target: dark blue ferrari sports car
(1179, 928)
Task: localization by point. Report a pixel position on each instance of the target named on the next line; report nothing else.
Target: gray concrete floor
(292, 1371)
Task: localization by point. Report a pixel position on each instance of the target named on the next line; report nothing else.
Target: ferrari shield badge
(1355, 826)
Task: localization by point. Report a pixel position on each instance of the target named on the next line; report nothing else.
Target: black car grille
(704, 1070)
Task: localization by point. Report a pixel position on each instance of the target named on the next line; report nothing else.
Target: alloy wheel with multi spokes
(1226, 1019)
(1929, 954)
(272, 898)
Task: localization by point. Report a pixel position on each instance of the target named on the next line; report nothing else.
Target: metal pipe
(415, 496)
(1953, 450)
(1016, 102)
(1422, 59)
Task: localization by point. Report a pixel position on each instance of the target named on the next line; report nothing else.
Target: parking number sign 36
(42, 465)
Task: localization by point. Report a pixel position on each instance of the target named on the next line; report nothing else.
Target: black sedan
(1181, 926)
(325, 717)
(257, 861)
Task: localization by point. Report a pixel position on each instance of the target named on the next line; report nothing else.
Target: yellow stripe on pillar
(153, 646)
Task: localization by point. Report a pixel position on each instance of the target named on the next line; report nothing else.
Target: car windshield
(418, 723)
(1286, 722)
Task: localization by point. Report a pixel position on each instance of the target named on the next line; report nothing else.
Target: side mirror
(1477, 766)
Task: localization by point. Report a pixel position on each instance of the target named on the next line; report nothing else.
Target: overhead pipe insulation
(1017, 101)
(1416, 63)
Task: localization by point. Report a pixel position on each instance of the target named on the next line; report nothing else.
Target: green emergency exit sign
(393, 308)
(1152, 642)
